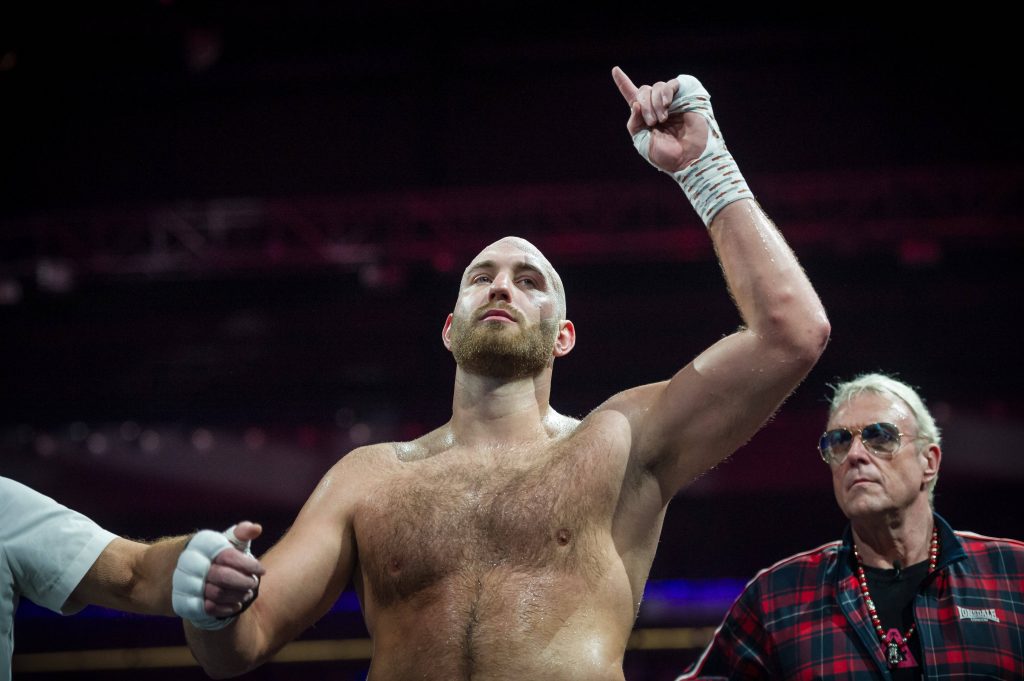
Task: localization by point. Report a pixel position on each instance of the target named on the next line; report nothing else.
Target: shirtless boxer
(514, 542)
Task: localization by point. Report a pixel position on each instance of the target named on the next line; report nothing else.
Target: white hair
(881, 384)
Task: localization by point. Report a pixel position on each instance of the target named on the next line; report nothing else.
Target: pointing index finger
(625, 85)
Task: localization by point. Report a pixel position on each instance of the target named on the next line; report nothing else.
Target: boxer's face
(507, 320)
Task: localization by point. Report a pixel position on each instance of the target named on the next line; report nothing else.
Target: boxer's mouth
(497, 315)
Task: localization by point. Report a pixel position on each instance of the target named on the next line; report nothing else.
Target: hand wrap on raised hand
(713, 180)
(189, 583)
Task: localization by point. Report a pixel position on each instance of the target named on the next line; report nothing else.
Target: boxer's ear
(446, 332)
(565, 341)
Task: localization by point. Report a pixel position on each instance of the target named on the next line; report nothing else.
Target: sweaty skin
(514, 542)
(499, 562)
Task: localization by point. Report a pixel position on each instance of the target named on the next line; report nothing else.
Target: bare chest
(451, 519)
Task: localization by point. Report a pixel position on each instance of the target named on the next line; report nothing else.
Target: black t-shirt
(893, 592)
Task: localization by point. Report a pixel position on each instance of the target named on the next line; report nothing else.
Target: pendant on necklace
(897, 654)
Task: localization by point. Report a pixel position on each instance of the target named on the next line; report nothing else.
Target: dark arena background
(230, 233)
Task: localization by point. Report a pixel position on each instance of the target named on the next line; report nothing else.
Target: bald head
(539, 261)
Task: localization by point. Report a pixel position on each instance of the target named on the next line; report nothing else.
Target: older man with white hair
(902, 595)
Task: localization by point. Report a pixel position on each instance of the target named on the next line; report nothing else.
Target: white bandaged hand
(188, 593)
(713, 180)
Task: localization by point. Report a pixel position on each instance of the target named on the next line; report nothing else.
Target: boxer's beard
(496, 350)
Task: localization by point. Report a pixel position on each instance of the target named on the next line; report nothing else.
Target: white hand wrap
(713, 180)
(189, 582)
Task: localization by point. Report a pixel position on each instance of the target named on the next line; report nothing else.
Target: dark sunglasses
(881, 439)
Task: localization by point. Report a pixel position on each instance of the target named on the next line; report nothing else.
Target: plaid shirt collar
(951, 550)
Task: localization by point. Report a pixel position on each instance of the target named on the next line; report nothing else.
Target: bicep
(308, 568)
(711, 407)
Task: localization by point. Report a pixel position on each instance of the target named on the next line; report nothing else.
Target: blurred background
(230, 233)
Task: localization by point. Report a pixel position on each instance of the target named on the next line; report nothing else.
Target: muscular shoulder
(364, 463)
(632, 409)
(628, 402)
(377, 460)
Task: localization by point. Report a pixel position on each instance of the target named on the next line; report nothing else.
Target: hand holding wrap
(189, 583)
(713, 180)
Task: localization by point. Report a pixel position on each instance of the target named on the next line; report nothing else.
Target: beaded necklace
(894, 646)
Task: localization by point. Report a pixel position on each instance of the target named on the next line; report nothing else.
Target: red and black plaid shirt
(804, 617)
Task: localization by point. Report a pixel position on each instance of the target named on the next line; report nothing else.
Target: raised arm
(305, 573)
(684, 426)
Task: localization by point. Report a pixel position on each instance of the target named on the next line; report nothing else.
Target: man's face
(866, 484)
(505, 322)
